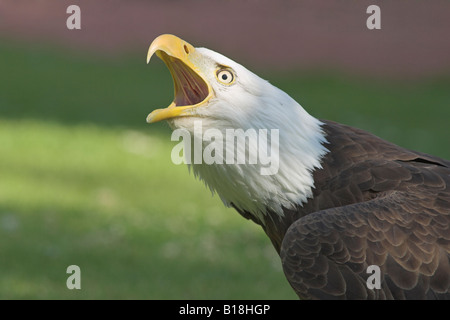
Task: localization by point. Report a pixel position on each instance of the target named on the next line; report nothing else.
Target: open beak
(191, 89)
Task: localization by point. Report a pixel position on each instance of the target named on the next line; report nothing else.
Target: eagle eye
(225, 76)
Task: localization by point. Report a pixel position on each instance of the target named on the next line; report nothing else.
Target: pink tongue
(190, 88)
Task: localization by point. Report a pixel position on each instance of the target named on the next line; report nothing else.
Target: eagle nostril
(186, 49)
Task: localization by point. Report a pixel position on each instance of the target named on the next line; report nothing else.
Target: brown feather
(374, 203)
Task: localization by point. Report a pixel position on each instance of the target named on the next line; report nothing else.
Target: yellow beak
(191, 89)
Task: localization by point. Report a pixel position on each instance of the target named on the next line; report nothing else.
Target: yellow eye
(225, 76)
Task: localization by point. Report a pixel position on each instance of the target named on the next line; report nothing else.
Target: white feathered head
(224, 95)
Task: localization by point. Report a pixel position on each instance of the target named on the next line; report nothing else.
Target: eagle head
(221, 94)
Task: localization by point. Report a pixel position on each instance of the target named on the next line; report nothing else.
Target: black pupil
(224, 77)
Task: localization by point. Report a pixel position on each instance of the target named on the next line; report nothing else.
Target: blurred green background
(85, 181)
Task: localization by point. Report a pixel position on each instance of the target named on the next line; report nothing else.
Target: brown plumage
(374, 203)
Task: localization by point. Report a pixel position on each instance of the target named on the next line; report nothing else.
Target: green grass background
(84, 180)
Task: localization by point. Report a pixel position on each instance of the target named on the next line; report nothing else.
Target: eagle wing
(405, 232)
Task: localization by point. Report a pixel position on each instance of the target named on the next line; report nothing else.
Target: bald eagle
(342, 199)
